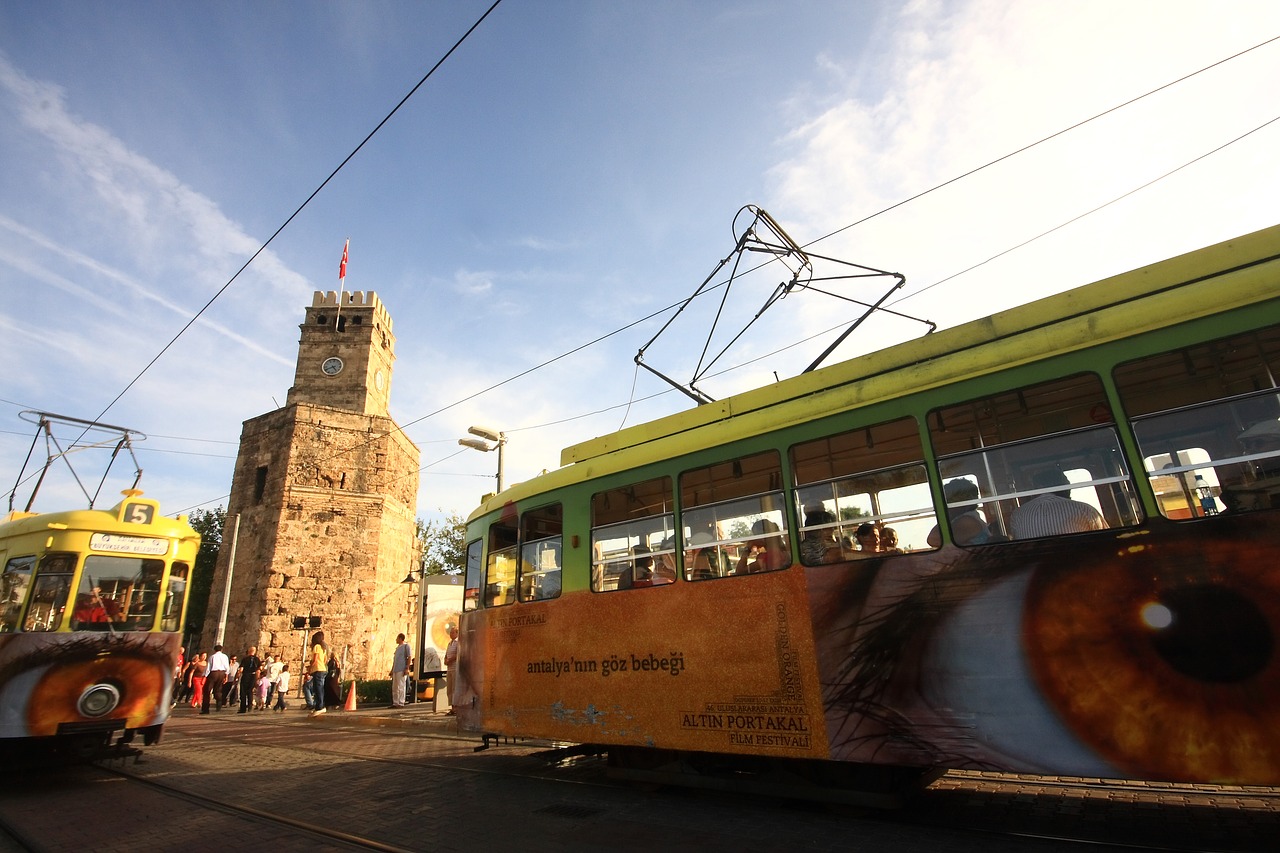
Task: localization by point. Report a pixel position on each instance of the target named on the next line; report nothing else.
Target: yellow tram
(91, 610)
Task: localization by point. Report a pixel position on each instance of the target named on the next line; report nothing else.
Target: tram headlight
(99, 700)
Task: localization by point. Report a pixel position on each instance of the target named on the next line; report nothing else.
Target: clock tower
(345, 354)
(321, 516)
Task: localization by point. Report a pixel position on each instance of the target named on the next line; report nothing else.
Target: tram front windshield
(117, 593)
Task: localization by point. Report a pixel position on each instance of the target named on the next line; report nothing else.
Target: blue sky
(571, 168)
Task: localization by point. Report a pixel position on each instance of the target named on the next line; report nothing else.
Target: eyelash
(86, 648)
(871, 663)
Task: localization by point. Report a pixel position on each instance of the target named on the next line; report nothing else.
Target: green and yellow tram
(1040, 542)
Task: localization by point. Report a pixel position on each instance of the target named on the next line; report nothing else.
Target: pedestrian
(282, 688)
(274, 667)
(450, 661)
(176, 691)
(217, 676)
(250, 665)
(231, 692)
(399, 671)
(318, 669)
(263, 687)
(198, 676)
(188, 670)
(308, 690)
(333, 683)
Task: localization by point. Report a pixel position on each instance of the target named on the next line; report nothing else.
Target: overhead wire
(661, 311)
(299, 210)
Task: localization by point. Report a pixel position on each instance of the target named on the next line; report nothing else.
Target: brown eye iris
(1163, 658)
(109, 687)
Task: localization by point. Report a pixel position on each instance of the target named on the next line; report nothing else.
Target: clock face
(332, 366)
(378, 380)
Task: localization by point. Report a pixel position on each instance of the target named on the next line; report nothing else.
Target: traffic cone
(351, 698)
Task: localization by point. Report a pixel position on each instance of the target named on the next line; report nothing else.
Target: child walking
(261, 689)
(282, 689)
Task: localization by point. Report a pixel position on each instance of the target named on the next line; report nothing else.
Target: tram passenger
(868, 539)
(642, 566)
(773, 554)
(94, 610)
(1053, 513)
(889, 541)
(819, 546)
(664, 569)
(968, 526)
(700, 560)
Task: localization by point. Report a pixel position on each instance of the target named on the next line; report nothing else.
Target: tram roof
(1075, 319)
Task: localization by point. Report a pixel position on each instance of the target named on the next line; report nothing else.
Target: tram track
(1085, 813)
(318, 833)
(301, 786)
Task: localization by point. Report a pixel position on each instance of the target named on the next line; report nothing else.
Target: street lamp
(415, 576)
(482, 442)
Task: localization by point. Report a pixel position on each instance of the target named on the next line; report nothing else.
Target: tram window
(1207, 419)
(1042, 444)
(500, 570)
(175, 597)
(49, 593)
(733, 518)
(13, 591)
(540, 553)
(117, 592)
(471, 590)
(633, 536)
(868, 476)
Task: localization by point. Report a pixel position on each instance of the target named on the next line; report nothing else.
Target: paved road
(407, 781)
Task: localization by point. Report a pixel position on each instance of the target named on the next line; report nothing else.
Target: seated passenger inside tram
(820, 546)
(968, 525)
(664, 564)
(772, 553)
(92, 610)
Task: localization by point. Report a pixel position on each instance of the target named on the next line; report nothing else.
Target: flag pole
(342, 281)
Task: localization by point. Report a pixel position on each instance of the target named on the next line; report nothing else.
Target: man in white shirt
(214, 677)
(1053, 513)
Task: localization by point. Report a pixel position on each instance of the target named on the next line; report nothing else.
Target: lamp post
(415, 576)
(485, 435)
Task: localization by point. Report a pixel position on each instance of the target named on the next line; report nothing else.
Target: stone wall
(327, 502)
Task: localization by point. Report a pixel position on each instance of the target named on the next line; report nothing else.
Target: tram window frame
(541, 536)
(175, 603)
(875, 460)
(632, 532)
(724, 511)
(15, 586)
(55, 571)
(1014, 439)
(501, 563)
(1206, 418)
(471, 582)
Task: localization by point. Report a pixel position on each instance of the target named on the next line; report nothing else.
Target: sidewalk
(418, 716)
